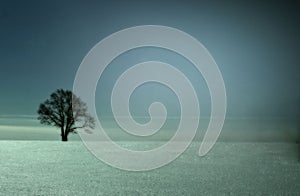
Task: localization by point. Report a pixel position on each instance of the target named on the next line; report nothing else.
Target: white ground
(56, 168)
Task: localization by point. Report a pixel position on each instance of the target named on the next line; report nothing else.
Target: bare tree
(62, 110)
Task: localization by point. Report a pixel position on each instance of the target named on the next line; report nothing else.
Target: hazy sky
(255, 44)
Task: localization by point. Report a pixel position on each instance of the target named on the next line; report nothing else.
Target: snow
(56, 168)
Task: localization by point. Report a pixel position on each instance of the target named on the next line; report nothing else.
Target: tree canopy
(66, 111)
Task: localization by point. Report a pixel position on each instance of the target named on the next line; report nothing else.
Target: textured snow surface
(56, 168)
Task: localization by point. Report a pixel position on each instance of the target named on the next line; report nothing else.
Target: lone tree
(62, 110)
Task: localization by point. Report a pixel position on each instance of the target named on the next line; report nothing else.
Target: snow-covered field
(56, 168)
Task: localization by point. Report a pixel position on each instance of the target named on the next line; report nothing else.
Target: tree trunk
(64, 138)
(64, 135)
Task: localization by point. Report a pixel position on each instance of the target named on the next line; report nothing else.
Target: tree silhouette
(62, 110)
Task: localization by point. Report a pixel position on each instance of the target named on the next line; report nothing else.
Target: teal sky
(255, 44)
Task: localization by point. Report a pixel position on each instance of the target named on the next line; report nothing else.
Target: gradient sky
(255, 44)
